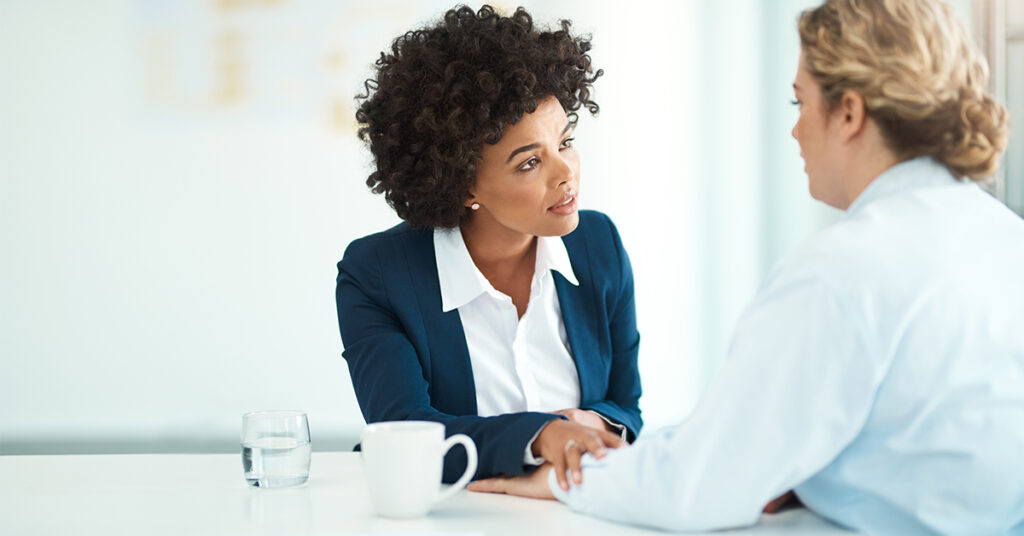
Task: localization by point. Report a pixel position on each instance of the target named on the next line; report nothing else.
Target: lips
(564, 206)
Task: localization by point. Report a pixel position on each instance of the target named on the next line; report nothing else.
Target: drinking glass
(275, 448)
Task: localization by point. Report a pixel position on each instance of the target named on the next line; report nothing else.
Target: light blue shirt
(879, 372)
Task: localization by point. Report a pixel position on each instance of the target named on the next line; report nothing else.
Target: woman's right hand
(562, 443)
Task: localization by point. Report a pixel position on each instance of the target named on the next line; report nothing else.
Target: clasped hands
(562, 444)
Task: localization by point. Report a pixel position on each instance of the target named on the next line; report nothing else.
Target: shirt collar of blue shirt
(920, 172)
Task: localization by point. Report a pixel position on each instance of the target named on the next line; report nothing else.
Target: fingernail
(577, 477)
(565, 486)
(599, 453)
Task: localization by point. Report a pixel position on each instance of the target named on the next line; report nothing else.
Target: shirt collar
(911, 174)
(552, 255)
(461, 281)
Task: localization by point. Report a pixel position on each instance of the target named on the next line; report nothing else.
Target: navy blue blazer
(409, 361)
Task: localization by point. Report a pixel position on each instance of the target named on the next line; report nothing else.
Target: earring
(475, 206)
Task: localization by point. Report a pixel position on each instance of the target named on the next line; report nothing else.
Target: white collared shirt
(519, 364)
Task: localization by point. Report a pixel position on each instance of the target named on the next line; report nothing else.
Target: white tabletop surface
(206, 494)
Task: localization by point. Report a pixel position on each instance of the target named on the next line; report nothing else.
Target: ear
(469, 199)
(852, 115)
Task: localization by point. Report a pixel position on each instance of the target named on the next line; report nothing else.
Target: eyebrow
(532, 146)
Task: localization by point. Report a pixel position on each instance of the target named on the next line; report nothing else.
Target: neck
(491, 244)
(865, 176)
(869, 159)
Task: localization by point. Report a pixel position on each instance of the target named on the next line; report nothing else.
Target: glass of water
(275, 448)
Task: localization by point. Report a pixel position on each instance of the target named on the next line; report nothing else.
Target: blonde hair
(922, 78)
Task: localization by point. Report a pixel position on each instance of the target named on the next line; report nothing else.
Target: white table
(206, 494)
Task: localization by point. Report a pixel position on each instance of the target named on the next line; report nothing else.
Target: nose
(793, 133)
(566, 171)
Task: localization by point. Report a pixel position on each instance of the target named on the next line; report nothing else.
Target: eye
(796, 103)
(530, 164)
(567, 143)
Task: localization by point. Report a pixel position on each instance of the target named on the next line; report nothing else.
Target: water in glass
(275, 462)
(275, 448)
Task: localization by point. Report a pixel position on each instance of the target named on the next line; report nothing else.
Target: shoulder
(386, 243)
(596, 252)
(375, 258)
(594, 222)
(892, 241)
(870, 260)
(837, 255)
(596, 232)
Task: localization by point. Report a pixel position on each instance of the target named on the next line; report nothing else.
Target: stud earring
(475, 206)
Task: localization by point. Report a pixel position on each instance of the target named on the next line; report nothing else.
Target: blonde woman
(879, 372)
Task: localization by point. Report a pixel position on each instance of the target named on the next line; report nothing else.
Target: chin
(814, 187)
(572, 224)
(566, 225)
(827, 187)
(829, 199)
(813, 192)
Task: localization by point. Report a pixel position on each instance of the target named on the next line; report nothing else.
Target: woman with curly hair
(497, 308)
(879, 372)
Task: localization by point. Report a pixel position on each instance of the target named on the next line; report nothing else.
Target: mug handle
(470, 464)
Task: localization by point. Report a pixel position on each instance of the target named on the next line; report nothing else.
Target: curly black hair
(445, 90)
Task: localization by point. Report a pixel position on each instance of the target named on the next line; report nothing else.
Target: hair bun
(981, 137)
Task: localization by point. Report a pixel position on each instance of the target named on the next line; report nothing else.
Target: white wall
(179, 180)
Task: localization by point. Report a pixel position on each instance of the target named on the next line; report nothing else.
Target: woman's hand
(562, 443)
(783, 502)
(585, 418)
(533, 485)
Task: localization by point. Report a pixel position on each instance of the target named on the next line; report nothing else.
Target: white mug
(403, 461)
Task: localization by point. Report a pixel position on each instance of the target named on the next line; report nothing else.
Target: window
(999, 27)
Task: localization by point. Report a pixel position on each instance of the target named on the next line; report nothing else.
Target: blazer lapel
(580, 314)
(450, 371)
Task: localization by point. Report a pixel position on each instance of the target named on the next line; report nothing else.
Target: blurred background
(179, 178)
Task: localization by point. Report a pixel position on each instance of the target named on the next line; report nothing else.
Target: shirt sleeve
(528, 457)
(619, 428)
(796, 387)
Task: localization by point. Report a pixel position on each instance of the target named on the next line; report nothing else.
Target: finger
(572, 460)
(595, 446)
(776, 504)
(488, 485)
(558, 464)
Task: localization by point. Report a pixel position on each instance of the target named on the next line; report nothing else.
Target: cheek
(572, 157)
(521, 194)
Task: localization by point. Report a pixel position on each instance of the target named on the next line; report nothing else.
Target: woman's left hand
(533, 485)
